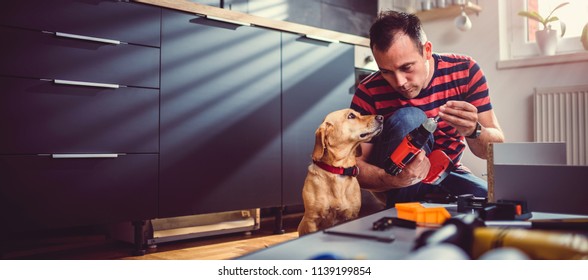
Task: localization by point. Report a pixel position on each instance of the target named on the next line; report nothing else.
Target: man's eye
(384, 71)
(407, 68)
(351, 116)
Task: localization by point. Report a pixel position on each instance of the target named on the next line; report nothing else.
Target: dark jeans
(397, 126)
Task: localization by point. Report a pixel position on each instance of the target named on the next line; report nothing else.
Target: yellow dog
(331, 192)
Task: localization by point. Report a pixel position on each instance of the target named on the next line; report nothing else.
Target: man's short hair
(388, 24)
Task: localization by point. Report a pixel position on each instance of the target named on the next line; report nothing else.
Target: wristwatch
(476, 132)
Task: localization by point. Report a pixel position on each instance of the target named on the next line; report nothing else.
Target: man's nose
(400, 79)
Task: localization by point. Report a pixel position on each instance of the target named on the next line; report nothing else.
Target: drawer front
(36, 54)
(42, 117)
(127, 22)
(40, 192)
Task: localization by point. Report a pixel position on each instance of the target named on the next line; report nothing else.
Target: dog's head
(342, 131)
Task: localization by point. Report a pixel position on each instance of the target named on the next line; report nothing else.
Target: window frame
(516, 51)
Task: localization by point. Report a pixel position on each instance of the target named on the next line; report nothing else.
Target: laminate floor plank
(85, 244)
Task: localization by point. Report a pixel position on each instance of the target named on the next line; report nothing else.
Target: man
(414, 84)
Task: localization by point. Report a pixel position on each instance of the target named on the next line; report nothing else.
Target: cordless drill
(411, 146)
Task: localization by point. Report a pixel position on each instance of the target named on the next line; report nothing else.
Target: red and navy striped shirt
(456, 77)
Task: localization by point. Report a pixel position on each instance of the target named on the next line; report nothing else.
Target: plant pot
(546, 41)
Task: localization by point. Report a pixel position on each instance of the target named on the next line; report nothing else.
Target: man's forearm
(479, 146)
(371, 177)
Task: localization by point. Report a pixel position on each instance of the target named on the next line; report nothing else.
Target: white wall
(511, 90)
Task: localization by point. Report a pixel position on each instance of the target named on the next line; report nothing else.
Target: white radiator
(561, 115)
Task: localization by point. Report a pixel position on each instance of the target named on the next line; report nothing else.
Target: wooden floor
(220, 248)
(224, 247)
(88, 244)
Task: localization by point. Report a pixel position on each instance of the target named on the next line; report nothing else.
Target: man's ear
(320, 142)
(428, 50)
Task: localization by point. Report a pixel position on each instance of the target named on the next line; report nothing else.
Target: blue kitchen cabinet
(318, 78)
(220, 137)
(79, 113)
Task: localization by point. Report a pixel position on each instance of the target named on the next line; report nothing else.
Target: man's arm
(374, 178)
(464, 116)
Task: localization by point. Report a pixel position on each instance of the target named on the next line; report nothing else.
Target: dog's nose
(380, 118)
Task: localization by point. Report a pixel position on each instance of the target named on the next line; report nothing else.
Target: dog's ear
(320, 141)
(358, 152)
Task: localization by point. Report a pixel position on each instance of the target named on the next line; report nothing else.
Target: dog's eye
(351, 116)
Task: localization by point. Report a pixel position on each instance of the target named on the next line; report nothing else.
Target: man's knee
(405, 119)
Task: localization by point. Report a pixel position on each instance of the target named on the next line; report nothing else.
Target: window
(521, 31)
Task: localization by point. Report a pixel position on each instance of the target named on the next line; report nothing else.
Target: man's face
(404, 67)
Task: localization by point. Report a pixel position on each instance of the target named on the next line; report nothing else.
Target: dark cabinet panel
(118, 20)
(79, 113)
(42, 117)
(220, 116)
(39, 192)
(318, 78)
(41, 55)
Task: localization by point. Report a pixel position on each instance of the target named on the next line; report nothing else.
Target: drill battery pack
(441, 165)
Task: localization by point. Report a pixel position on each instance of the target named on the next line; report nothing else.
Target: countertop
(204, 10)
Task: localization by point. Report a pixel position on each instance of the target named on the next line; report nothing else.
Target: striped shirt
(456, 77)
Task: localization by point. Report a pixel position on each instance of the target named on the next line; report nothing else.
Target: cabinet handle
(87, 38)
(319, 38)
(85, 84)
(84, 155)
(229, 21)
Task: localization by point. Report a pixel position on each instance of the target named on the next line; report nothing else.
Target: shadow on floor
(94, 243)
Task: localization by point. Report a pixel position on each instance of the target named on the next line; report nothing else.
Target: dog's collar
(352, 171)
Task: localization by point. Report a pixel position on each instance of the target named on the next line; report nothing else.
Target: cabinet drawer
(123, 21)
(41, 55)
(39, 192)
(42, 117)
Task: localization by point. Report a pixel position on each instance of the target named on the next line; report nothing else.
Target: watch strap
(476, 133)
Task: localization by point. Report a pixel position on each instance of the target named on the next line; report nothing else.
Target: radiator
(561, 116)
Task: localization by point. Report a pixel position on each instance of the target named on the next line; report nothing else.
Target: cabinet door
(39, 117)
(318, 78)
(41, 192)
(220, 116)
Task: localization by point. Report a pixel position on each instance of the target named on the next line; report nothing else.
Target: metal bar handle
(87, 38)
(85, 84)
(81, 156)
(229, 21)
(319, 38)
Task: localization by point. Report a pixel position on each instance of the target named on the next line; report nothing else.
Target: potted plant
(547, 37)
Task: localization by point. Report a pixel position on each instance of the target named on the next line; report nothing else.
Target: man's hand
(375, 179)
(461, 115)
(414, 172)
(464, 117)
